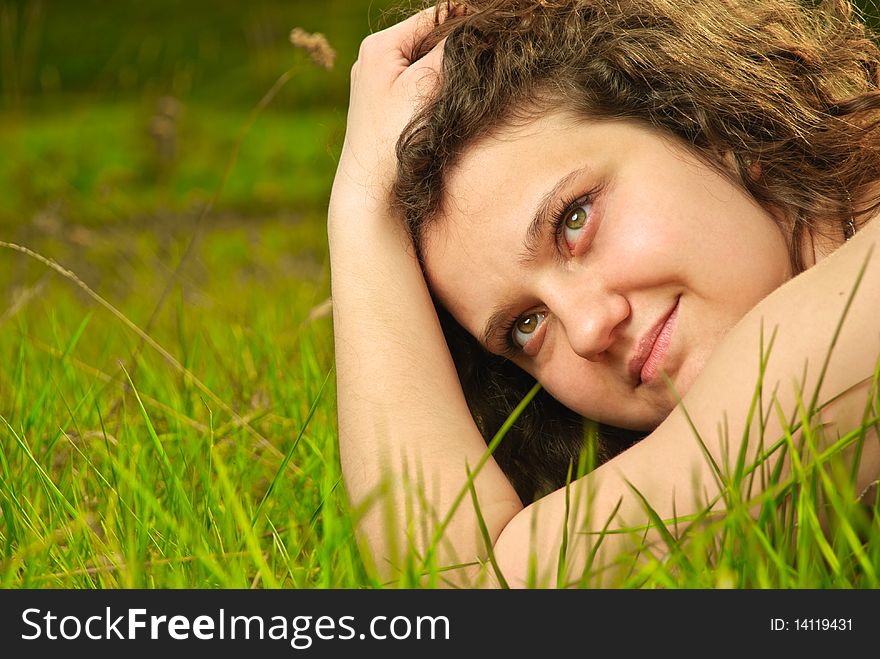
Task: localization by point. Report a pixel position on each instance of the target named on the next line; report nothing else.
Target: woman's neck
(815, 246)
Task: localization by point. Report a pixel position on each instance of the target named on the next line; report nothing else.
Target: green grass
(165, 427)
(185, 459)
(215, 465)
(122, 470)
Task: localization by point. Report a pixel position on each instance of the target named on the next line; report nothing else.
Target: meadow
(167, 410)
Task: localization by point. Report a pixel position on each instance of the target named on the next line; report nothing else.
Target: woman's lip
(645, 364)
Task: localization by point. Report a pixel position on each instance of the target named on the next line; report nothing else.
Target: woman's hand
(386, 90)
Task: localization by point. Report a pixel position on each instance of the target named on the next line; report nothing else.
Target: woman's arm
(404, 427)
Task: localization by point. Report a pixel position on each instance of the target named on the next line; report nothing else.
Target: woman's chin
(645, 420)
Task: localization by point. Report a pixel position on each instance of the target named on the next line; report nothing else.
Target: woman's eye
(575, 220)
(525, 327)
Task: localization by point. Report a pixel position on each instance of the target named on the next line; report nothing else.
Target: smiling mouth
(645, 364)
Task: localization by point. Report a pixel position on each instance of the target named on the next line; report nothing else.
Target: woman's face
(600, 257)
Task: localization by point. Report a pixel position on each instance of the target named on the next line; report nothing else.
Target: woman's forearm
(406, 436)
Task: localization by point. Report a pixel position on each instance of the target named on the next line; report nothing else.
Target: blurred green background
(122, 122)
(119, 112)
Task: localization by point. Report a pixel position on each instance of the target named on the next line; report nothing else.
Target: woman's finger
(395, 43)
(423, 75)
(432, 60)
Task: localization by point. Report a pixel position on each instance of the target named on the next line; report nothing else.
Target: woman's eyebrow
(497, 321)
(543, 218)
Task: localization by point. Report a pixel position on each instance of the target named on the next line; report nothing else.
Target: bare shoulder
(814, 341)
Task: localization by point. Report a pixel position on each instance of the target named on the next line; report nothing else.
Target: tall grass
(129, 468)
(144, 478)
(154, 476)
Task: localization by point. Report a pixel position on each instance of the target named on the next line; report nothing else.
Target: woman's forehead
(496, 166)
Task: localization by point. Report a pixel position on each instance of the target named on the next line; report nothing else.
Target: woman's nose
(589, 317)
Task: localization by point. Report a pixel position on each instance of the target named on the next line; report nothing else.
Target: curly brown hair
(785, 88)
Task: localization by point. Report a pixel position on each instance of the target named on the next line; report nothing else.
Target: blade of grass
(46, 479)
(251, 541)
(484, 532)
(281, 468)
